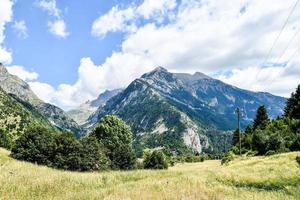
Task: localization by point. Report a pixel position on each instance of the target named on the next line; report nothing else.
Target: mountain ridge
(206, 103)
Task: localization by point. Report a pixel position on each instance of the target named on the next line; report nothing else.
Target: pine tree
(292, 108)
(236, 137)
(261, 118)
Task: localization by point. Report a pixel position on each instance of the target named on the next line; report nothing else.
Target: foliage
(229, 156)
(36, 145)
(261, 118)
(116, 138)
(236, 137)
(60, 150)
(155, 160)
(5, 140)
(292, 109)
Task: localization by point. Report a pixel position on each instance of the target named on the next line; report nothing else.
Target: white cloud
(5, 17)
(210, 36)
(22, 73)
(57, 26)
(5, 56)
(125, 20)
(20, 28)
(43, 90)
(50, 7)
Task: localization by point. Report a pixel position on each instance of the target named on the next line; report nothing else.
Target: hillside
(16, 115)
(274, 177)
(178, 110)
(14, 85)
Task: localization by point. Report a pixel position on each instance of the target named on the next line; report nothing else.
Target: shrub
(155, 160)
(116, 138)
(5, 140)
(229, 156)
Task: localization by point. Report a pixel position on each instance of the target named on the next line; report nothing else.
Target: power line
(288, 45)
(278, 36)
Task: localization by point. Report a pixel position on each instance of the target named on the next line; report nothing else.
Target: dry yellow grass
(274, 177)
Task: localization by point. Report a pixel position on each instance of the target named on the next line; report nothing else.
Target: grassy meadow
(273, 177)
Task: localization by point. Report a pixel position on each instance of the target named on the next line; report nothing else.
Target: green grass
(272, 177)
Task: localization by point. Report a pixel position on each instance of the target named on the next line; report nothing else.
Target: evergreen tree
(292, 108)
(235, 138)
(261, 118)
(116, 137)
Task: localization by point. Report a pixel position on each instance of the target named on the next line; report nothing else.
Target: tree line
(266, 136)
(108, 146)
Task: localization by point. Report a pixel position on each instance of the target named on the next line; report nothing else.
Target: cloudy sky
(70, 51)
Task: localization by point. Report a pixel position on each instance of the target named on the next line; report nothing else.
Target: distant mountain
(13, 85)
(82, 113)
(178, 110)
(16, 115)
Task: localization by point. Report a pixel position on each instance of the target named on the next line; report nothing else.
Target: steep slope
(13, 85)
(82, 113)
(173, 110)
(16, 115)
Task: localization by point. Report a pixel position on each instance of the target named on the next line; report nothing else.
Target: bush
(116, 138)
(5, 140)
(229, 156)
(155, 160)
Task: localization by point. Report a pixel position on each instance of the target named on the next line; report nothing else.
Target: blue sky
(56, 59)
(70, 51)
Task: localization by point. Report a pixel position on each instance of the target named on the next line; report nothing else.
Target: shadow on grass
(268, 185)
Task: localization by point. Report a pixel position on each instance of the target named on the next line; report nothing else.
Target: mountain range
(183, 110)
(178, 111)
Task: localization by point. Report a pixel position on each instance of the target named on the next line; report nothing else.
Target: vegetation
(16, 116)
(268, 137)
(155, 160)
(251, 178)
(116, 138)
(5, 140)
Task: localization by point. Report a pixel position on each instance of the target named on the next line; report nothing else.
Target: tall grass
(273, 177)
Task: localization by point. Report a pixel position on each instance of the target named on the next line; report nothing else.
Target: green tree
(292, 108)
(5, 140)
(36, 145)
(155, 160)
(236, 138)
(116, 137)
(261, 118)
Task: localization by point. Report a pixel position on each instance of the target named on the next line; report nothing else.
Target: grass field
(273, 177)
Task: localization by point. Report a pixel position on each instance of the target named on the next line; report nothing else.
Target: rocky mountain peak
(3, 70)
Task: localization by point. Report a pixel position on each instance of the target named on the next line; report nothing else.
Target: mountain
(82, 113)
(178, 110)
(16, 115)
(13, 85)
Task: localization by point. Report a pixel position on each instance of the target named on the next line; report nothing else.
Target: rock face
(176, 110)
(82, 113)
(13, 85)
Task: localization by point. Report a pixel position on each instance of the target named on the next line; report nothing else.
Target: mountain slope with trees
(176, 110)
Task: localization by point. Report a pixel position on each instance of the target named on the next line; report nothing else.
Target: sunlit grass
(274, 177)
